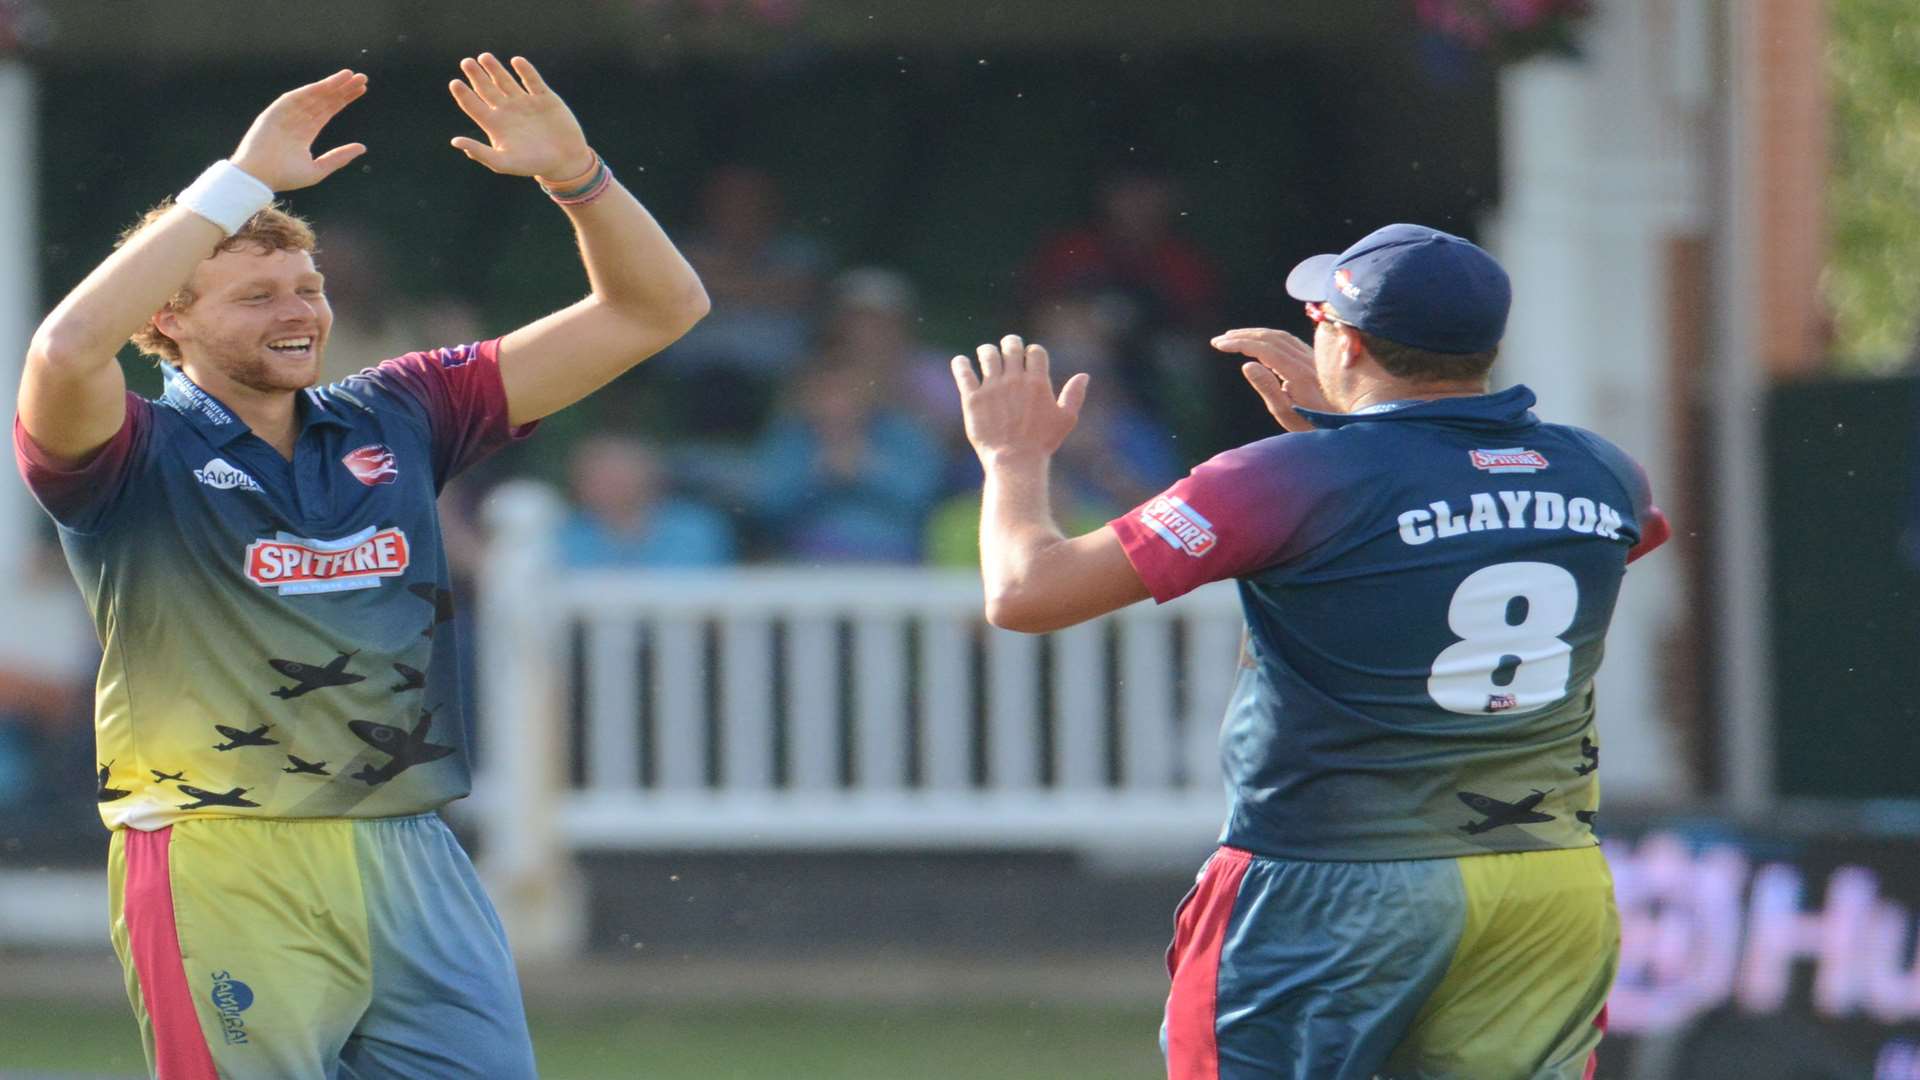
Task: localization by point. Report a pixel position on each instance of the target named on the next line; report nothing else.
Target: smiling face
(258, 320)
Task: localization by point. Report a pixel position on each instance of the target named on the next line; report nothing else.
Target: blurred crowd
(809, 419)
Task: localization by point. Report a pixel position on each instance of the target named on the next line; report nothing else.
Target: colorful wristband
(591, 185)
(226, 195)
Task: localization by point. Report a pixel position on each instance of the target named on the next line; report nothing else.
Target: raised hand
(531, 131)
(1010, 406)
(278, 149)
(1281, 372)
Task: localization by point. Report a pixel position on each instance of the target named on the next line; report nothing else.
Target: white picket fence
(794, 708)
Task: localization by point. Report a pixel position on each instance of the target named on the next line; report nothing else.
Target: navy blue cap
(1413, 285)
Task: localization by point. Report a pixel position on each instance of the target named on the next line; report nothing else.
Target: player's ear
(1353, 349)
(167, 321)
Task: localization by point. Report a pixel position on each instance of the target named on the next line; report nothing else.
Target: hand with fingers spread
(1010, 407)
(278, 149)
(530, 131)
(1280, 370)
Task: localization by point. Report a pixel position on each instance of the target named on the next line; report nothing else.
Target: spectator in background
(1121, 454)
(1132, 249)
(48, 657)
(625, 516)
(763, 278)
(873, 324)
(842, 476)
(373, 320)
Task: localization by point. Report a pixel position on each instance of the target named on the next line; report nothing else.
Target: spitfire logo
(1343, 280)
(297, 565)
(220, 476)
(1514, 459)
(231, 997)
(1180, 525)
(372, 464)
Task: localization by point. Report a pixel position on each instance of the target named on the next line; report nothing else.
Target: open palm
(530, 131)
(277, 149)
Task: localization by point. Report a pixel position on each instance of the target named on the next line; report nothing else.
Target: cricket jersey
(1427, 586)
(277, 634)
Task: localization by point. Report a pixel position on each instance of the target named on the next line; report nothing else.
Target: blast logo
(372, 464)
(1343, 280)
(1180, 525)
(1501, 702)
(1514, 459)
(231, 997)
(296, 565)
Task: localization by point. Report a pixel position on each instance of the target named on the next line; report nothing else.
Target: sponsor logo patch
(454, 356)
(1501, 702)
(230, 998)
(373, 464)
(220, 476)
(1343, 280)
(1514, 459)
(1180, 525)
(297, 565)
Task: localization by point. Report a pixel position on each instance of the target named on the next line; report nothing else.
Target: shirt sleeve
(82, 497)
(1233, 515)
(1650, 520)
(458, 389)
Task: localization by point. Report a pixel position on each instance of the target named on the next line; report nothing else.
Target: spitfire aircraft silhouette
(1591, 752)
(410, 679)
(301, 765)
(103, 793)
(1501, 813)
(408, 748)
(162, 777)
(215, 798)
(1585, 817)
(311, 677)
(237, 738)
(441, 599)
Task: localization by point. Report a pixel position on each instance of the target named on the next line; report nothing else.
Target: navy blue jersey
(276, 633)
(1427, 588)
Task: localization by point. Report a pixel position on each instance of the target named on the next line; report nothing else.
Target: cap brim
(1308, 281)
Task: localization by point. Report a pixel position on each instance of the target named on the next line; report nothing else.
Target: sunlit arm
(1038, 580)
(644, 297)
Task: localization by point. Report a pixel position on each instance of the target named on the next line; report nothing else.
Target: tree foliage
(1873, 271)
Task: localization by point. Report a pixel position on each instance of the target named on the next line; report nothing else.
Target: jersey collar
(220, 425)
(1508, 408)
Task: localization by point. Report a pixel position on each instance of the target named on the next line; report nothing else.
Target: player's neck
(270, 414)
(1383, 391)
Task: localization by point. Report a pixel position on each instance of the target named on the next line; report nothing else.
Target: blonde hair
(266, 232)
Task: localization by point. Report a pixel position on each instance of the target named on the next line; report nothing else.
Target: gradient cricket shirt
(1427, 586)
(277, 634)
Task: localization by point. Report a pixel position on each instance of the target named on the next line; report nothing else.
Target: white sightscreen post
(19, 299)
(1742, 620)
(1602, 168)
(527, 866)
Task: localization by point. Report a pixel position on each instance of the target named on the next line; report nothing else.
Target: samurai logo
(231, 997)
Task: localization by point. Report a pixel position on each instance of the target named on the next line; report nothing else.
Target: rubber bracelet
(579, 185)
(226, 195)
(578, 179)
(598, 189)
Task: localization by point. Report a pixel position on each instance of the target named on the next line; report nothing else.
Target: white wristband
(226, 195)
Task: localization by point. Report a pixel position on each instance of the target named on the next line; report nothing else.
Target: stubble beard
(246, 367)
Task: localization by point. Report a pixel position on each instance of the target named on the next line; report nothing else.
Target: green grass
(721, 1042)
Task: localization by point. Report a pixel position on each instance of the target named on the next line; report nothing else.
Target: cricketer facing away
(1408, 883)
(278, 712)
